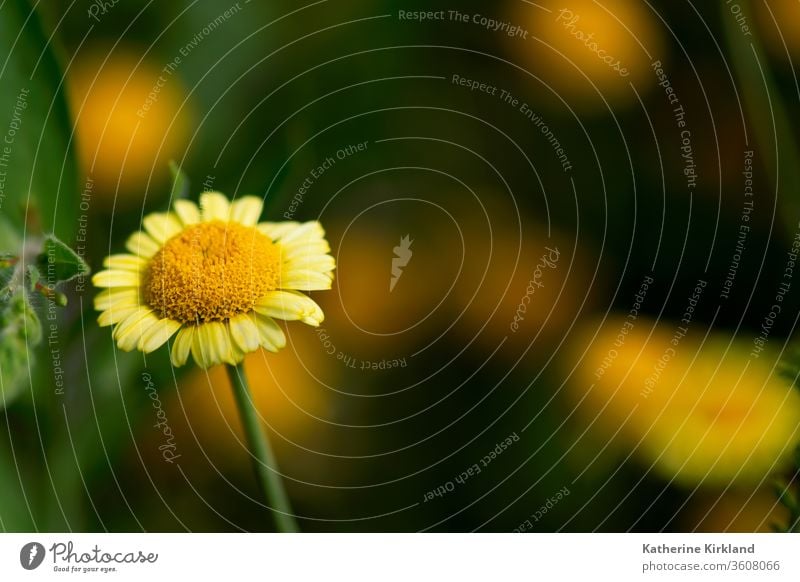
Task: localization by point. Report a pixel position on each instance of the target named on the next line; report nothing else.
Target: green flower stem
(264, 464)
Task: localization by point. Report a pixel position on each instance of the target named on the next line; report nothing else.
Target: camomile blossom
(215, 279)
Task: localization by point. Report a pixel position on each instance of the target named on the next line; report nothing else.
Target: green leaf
(180, 182)
(39, 184)
(20, 330)
(58, 263)
(13, 368)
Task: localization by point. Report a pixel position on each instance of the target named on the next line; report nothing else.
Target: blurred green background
(252, 97)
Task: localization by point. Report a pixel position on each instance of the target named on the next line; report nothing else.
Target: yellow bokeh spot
(369, 318)
(519, 291)
(130, 120)
(581, 42)
(696, 412)
(288, 389)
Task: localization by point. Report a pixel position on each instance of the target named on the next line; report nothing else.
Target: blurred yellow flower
(215, 276)
(580, 43)
(130, 118)
(698, 412)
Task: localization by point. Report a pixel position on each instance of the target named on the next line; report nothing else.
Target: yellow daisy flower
(216, 277)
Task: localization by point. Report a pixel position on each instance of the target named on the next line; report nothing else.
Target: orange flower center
(211, 272)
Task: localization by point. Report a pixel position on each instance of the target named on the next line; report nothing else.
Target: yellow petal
(125, 262)
(305, 280)
(141, 245)
(275, 230)
(290, 305)
(247, 210)
(162, 226)
(129, 332)
(320, 263)
(209, 346)
(221, 338)
(237, 353)
(115, 298)
(307, 232)
(215, 206)
(137, 314)
(271, 335)
(157, 335)
(215, 344)
(182, 346)
(114, 315)
(187, 211)
(200, 349)
(229, 352)
(116, 278)
(245, 332)
(295, 249)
